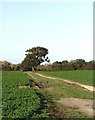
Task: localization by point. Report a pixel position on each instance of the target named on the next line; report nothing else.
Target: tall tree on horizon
(34, 57)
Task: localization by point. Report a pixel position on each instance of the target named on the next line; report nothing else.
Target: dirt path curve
(90, 88)
(84, 106)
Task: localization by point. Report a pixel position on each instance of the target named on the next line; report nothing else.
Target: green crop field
(20, 103)
(81, 76)
(28, 103)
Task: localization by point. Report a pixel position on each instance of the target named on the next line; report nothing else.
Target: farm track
(81, 105)
(90, 88)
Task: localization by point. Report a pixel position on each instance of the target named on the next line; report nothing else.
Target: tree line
(37, 55)
(78, 64)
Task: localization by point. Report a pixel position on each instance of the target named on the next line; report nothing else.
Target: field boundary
(87, 87)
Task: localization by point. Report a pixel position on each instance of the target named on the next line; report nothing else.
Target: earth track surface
(82, 105)
(90, 88)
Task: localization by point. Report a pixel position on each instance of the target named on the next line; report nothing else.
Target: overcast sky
(65, 29)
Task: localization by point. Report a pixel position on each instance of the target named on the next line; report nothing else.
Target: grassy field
(60, 89)
(81, 76)
(57, 89)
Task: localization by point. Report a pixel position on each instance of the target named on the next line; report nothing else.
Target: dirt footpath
(90, 88)
(82, 105)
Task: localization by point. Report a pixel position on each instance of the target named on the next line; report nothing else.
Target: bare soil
(24, 86)
(82, 105)
(34, 87)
